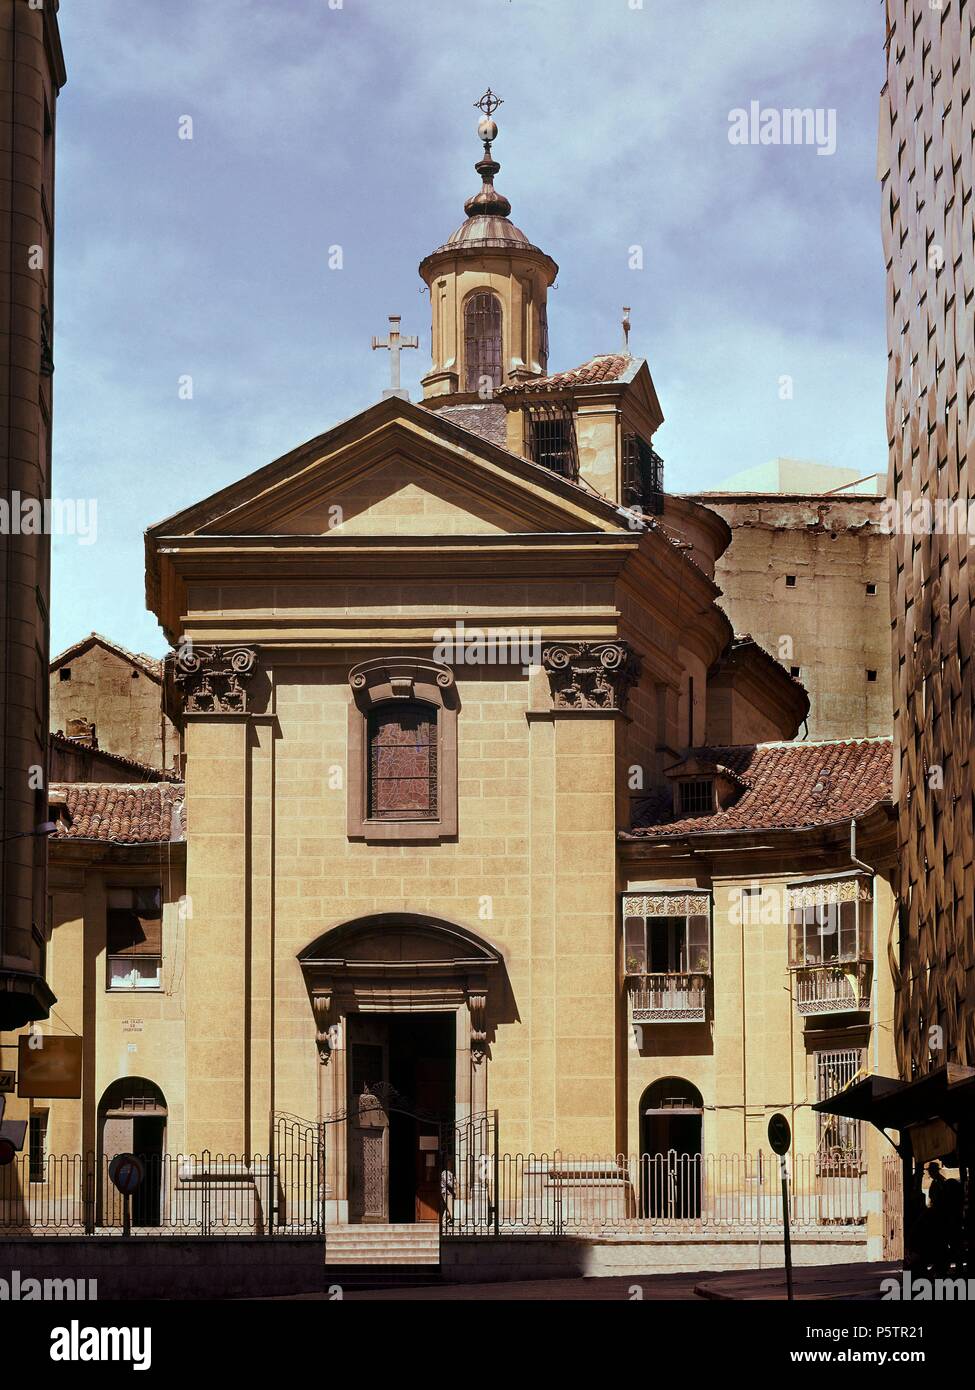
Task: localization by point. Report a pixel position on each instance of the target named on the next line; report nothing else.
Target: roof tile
(788, 786)
(607, 366)
(123, 813)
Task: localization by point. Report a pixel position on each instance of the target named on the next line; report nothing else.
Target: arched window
(482, 340)
(403, 761)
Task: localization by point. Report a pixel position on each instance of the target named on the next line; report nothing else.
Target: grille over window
(697, 797)
(552, 439)
(482, 341)
(643, 476)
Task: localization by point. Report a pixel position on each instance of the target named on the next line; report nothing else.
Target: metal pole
(787, 1240)
(127, 1214)
(497, 1169)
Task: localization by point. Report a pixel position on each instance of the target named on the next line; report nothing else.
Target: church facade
(485, 806)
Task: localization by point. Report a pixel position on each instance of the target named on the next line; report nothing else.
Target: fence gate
(893, 1207)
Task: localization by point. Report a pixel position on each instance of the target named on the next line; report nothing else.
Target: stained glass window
(403, 762)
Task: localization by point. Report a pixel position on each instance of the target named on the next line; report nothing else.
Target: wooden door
(368, 1123)
(432, 1090)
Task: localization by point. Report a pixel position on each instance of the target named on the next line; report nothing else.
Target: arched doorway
(132, 1118)
(403, 1006)
(671, 1132)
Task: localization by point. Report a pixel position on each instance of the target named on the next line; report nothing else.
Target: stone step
(381, 1260)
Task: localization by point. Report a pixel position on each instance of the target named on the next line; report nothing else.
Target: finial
(487, 203)
(626, 330)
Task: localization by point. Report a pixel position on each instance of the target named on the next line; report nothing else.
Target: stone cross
(395, 341)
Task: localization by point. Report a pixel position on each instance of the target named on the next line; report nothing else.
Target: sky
(351, 123)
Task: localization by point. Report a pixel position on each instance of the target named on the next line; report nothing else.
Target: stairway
(378, 1256)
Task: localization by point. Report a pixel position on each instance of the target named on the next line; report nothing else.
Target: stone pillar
(218, 869)
(261, 933)
(589, 681)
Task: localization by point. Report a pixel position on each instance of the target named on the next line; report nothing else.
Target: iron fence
(559, 1194)
(278, 1192)
(484, 1192)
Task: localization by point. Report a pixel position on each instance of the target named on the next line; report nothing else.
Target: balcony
(675, 997)
(841, 987)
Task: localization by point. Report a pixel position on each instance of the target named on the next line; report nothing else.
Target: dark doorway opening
(132, 1119)
(401, 1113)
(421, 1069)
(671, 1124)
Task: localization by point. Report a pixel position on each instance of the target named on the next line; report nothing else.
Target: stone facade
(97, 685)
(31, 75)
(808, 577)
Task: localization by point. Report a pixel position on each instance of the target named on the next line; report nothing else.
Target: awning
(946, 1094)
(859, 1101)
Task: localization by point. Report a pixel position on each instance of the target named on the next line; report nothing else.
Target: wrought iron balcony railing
(839, 988)
(679, 997)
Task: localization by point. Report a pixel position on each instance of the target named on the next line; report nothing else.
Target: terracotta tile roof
(487, 420)
(787, 786)
(150, 664)
(123, 813)
(608, 366)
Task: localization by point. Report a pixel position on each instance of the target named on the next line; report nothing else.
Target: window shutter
(135, 930)
(699, 944)
(635, 946)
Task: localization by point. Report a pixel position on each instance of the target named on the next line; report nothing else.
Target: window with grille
(37, 1139)
(403, 762)
(552, 438)
(134, 938)
(839, 1137)
(697, 797)
(643, 476)
(482, 341)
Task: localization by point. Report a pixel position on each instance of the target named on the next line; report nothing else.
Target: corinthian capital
(212, 678)
(590, 675)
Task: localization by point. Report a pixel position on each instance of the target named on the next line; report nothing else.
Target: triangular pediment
(397, 469)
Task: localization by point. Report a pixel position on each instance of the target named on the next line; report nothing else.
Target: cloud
(317, 125)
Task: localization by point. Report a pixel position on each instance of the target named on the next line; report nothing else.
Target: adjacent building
(31, 75)
(807, 575)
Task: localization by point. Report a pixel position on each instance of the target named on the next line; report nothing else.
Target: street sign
(779, 1133)
(780, 1138)
(8, 1081)
(49, 1067)
(126, 1172)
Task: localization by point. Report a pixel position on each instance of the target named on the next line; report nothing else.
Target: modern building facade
(928, 225)
(31, 75)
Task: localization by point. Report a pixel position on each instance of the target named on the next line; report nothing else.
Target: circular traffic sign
(7, 1152)
(126, 1172)
(779, 1133)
